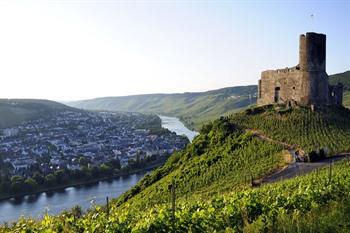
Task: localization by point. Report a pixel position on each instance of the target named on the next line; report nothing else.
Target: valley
(69, 146)
(214, 180)
(193, 109)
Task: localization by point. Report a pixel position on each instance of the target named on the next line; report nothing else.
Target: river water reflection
(85, 196)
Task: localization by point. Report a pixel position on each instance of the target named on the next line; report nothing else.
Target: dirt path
(295, 168)
(300, 168)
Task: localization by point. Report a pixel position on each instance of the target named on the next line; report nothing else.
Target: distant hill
(195, 108)
(343, 78)
(15, 111)
(192, 108)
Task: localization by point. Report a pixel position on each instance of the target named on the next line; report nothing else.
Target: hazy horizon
(74, 50)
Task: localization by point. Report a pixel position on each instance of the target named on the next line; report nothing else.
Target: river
(175, 125)
(85, 195)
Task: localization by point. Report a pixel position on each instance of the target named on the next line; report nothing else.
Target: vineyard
(326, 128)
(219, 160)
(212, 180)
(288, 206)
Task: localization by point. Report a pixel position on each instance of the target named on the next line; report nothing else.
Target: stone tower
(304, 84)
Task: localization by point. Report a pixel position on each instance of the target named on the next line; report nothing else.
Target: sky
(72, 50)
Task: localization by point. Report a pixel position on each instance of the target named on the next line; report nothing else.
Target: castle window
(260, 89)
(277, 94)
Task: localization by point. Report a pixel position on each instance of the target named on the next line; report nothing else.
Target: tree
(17, 183)
(5, 186)
(115, 163)
(106, 170)
(50, 180)
(38, 178)
(60, 176)
(83, 161)
(30, 184)
(95, 171)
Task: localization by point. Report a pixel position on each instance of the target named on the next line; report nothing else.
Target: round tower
(312, 62)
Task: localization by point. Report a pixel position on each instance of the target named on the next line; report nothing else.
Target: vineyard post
(107, 201)
(298, 170)
(173, 202)
(330, 172)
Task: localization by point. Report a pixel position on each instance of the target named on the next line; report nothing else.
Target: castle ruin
(304, 84)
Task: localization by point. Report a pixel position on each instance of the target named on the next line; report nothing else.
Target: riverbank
(151, 166)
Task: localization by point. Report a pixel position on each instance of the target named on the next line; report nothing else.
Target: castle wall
(290, 82)
(306, 83)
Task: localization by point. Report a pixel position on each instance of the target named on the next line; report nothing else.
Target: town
(72, 139)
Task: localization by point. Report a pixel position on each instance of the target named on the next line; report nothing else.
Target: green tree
(39, 178)
(50, 180)
(83, 161)
(17, 183)
(30, 184)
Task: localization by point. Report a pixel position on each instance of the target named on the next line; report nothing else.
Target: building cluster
(61, 141)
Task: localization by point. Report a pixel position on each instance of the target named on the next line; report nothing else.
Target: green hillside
(192, 108)
(346, 99)
(224, 154)
(213, 177)
(326, 128)
(15, 111)
(312, 203)
(222, 158)
(343, 78)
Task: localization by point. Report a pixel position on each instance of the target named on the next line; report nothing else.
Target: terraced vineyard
(312, 203)
(326, 128)
(214, 163)
(213, 177)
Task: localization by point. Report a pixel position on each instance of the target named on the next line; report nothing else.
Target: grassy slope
(15, 111)
(343, 78)
(327, 127)
(190, 107)
(346, 99)
(212, 176)
(217, 162)
(214, 163)
(312, 203)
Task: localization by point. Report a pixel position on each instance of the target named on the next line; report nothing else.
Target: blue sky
(69, 50)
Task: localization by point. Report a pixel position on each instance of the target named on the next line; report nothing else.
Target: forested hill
(15, 111)
(343, 78)
(194, 109)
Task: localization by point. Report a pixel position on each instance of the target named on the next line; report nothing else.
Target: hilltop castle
(304, 84)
